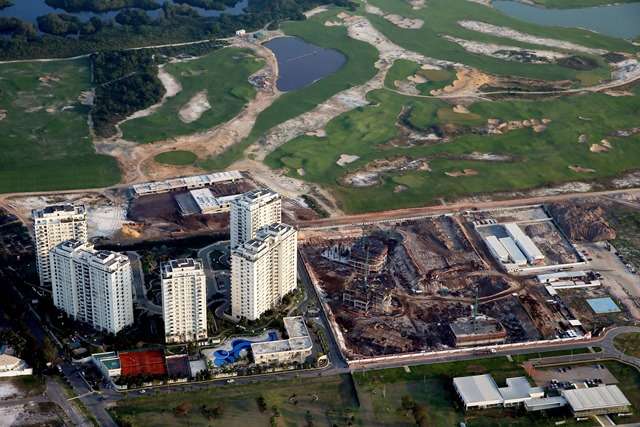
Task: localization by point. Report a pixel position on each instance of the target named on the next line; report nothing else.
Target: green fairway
(176, 158)
(323, 401)
(44, 138)
(530, 159)
(220, 78)
(441, 18)
(357, 70)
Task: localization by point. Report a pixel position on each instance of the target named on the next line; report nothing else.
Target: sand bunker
(397, 20)
(320, 133)
(461, 109)
(509, 33)
(582, 138)
(498, 127)
(416, 4)
(508, 53)
(467, 83)
(417, 79)
(3, 114)
(464, 172)
(195, 108)
(599, 148)
(345, 159)
(580, 169)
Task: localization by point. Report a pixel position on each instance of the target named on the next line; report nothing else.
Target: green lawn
(628, 343)
(44, 139)
(324, 401)
(441, 18)
(535, 159)
(431, 386)
(176, 158)
(357, 70)
(222, 74)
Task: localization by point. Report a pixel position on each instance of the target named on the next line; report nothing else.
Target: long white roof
(478, 390)
(524, 242)
(585, 399)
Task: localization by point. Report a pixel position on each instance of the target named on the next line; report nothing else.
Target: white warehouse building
(184, 300)
(53, 225)
(263, 271)
(92, 286)
(524, 242)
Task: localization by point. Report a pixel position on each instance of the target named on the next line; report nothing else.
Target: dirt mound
(580, 63)
(371, 174)
(582, 222)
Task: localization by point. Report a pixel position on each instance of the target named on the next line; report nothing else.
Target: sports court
(147, 362)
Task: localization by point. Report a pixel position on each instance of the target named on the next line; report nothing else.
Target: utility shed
(478, 391)
(601, 400)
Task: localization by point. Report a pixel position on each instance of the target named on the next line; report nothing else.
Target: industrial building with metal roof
(606, 399)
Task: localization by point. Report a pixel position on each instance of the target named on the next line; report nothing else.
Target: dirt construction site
(431, 284)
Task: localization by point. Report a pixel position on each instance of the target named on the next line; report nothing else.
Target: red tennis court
(147, 362)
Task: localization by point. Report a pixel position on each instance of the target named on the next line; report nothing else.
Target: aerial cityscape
(320, 213)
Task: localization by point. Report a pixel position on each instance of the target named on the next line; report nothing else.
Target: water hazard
(301, 64)
(616, 20)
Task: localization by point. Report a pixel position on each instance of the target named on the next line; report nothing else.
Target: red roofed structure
(147, 362)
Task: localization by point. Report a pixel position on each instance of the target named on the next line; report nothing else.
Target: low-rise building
(478, 330)
(478, 391)
(602, 400)
(296, 348)
(11, 366)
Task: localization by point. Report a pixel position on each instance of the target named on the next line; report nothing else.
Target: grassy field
(626, 222)
(44, 138)
(176, 158)
(357, 70)
(430, 386)
(222, 74)
(533, 159)
(628, 343)
(323, 401)
(441, 18)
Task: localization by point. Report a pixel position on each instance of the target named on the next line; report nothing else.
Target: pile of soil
(582, 222)
(581, 63)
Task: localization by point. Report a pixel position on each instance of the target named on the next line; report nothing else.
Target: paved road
(139, 292)
(57, 394)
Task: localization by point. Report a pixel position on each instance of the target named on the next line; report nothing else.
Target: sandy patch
(461, 109)
(3, 114)
(467, 83)
(195, 108)
(464, 172)
(580, 169)
(406, 87)
(301, 171)
(417, 4)
(397, 20)
(171, 87)
(9, 391)
(597, 148)
(320, 133)
(498, 127)
(417, 79)
(315, 11)
(582, 139)
(506, 32)
(371, 173)
(400, 188)
(345, 159)
(487, 157)
(508, 53)
(87, 97)
(47, 79)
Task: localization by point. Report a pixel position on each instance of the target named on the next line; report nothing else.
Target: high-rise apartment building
(252, 211)
(263, 271)
(92, 286)
(55, 224)
(184, 300)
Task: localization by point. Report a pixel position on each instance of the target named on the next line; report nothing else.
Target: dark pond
(301, 64)
(616, 20)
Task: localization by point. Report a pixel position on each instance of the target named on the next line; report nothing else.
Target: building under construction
(367, 295)
(367, 254)
(477, 330)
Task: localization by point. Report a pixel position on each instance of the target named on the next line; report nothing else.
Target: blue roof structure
(603, 305)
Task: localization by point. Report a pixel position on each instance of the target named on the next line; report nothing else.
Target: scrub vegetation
(44, 134)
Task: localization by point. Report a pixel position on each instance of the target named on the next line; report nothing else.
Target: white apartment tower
(263, 270)
(92, 286)
(184, 300)
(252, 211)
(55, 224)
